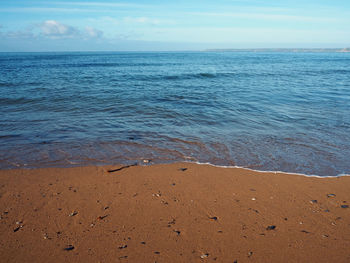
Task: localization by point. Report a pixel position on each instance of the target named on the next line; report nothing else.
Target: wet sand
(163, 213)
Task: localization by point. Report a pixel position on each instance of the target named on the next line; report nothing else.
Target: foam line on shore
(275, 172)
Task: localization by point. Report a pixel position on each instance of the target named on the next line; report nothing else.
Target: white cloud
(141, 20)
(44, 10)
(244, 35)
(104, 20)
(21, 34)
(99, 4)
(93, 32)
(54, 29)
(266, 16)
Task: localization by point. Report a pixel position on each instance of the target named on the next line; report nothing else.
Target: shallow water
(266, 111)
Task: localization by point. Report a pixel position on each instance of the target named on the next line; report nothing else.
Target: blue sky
(31, 25)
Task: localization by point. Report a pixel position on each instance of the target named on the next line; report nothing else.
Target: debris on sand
(205, 255)
(121, 168)
(124, 246)
(73, 213)
(16, 229)
(271, 227)
(68, 248)
(102, 217)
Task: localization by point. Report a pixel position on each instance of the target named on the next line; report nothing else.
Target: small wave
(192, 75)
(110, 64)
(2, 84)
(326, 72)
(8, 136)
(263, 171)
(17, 101)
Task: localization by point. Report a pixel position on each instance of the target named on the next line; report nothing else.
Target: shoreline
(180, 212)
(275, 172)
(177, 162)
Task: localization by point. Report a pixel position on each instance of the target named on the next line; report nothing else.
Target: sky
(155, 25)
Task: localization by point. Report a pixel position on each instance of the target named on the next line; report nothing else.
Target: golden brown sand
(161, 213)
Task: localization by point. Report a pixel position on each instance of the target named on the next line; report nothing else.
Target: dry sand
(161, 213)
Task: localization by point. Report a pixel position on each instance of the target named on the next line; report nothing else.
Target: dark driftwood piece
(121, 168)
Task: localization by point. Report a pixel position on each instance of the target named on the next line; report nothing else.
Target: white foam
(275, 172)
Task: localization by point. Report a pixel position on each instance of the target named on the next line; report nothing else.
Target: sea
(266, 111)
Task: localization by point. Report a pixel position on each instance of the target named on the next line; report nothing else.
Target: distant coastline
(296, 50)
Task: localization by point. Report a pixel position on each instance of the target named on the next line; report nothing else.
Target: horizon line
(318, 49)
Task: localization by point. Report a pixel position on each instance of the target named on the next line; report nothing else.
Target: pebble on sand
(73, 213)
(69, 247)
(271, 227)
(205, 255)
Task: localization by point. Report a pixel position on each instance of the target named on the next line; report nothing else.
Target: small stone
(253, 198)
(122, 247)
(213, 218)
(157, 252)
(313, 201)
(331, 195)
(172, 222)
(146, 161)
(344, 206)
(69, 247)
(271, 227)
(204, 255)
(250, 253)
(177, 232)
(73, 213)
(182, 169)
(16, 229)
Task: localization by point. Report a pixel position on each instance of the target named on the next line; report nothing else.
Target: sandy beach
(181, 212)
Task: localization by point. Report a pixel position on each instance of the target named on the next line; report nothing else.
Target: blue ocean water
(266, 111)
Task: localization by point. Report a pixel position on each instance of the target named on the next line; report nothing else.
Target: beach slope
(181, 212)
